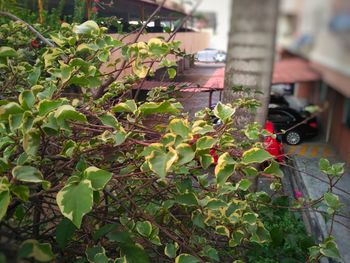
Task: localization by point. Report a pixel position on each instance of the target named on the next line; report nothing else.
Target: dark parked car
(277, 100)
(297, 125)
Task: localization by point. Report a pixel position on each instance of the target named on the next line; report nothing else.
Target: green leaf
(68, 112)
(206, 142)
(274, 169)
(324, 165)
(180, 127)
(261, 235)
(127, 106)
(86, 28)
(75, 200)
(68, 148)
(45, 106)
(249, 218)
(222, 230)
(186, 258)
(5, 199)
(140, 69)
(15, 121)
(108, 119)
(255, 155)
(216, 204)
(148, 108)
(27, 123)
(144, 228)
(31, 142)
(161, 162)
(185, 153)
(244, 184)
(10, 108)
(66, 73)
(338, 169)
(7, 52)
(51, 127)
(250, 171)
(103, 56)
(34, 76)
(33, 249)
(188, 199)
(171, 73)
(212, 253)
(206, 160)
(332, 200)
(134, 253)
(330, 249)
(26, 99)
(224, 169)
(21, 191)
(223, 112)
(98, 177)
(27, 174)
(157, 47)
(103, 231)
(170, 250)
(91, 252)
(64, 232)
(237, 237)
(87, 47)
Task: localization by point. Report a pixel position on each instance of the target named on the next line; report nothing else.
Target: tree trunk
(250, 54)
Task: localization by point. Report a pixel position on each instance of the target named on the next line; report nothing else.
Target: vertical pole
(41, 11)
(88, 9)
(250, 55)
(210, 98)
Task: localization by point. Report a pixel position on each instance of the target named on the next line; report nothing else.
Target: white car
(211, 55)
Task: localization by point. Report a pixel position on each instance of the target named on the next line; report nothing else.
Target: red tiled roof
(216, 81)
(293, 70)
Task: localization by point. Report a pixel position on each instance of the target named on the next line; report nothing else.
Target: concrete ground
(311, 182)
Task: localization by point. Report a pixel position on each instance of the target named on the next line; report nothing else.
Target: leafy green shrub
(289, 239)
(84, 177)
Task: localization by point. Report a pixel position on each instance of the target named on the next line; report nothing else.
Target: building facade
(319, 32)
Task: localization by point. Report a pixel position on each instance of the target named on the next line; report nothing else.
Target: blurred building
(217, 17)
(318, 33)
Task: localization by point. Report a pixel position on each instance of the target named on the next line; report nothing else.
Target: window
(280, 117)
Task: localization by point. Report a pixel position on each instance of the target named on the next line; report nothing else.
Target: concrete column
(250, 55)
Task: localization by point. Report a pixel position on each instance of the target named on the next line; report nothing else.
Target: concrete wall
(340, 134)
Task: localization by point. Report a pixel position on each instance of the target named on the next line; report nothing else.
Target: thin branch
(31, 28)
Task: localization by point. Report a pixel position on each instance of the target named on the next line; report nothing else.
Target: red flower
(298, 194)
(35, 43)
(215, 156)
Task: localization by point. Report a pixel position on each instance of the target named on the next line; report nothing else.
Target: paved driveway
(311, 182)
